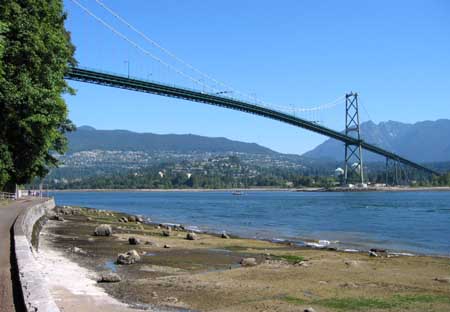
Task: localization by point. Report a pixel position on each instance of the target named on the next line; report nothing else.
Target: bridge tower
(353, 152)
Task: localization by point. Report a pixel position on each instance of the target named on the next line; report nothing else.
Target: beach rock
(109, 277)
(309, 310)
(377, 250)
(167, 246)
(302, 263)
(352, 263)
(129, 257)
(349, 285)
(443, 279)
(131, 219)
(166, 232)
(225, 235)
(78, 250)
(58, 218)
(248, 262)
(139, 219)
(68, 210)
(191, 236)
(123, 219)
(134, 241)
(373, 254)
(171, 300)
(103, 230)
(89, 219)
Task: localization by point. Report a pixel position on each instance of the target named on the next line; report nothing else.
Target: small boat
(237, 193)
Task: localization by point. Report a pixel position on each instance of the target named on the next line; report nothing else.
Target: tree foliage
(35, 54)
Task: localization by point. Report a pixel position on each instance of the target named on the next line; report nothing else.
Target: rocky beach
(99, 258)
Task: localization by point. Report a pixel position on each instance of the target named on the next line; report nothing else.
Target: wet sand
(205, 274)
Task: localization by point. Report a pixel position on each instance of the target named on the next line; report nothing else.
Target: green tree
(33, 115)
(5, 156)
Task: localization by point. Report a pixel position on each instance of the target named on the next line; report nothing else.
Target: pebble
(134, 241)
(247, 262)
(442, 279)
(171, 300)
(373, 254)
(109, 277)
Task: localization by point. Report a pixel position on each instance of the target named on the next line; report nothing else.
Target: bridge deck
(118, 81)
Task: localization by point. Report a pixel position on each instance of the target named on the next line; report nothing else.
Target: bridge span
(129, 83)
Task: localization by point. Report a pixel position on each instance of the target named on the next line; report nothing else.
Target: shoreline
(205, 275)
(299, 242)
(262, 189)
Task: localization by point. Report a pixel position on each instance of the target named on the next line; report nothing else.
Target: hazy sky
(395, 54)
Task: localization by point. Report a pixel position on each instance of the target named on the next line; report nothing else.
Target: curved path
(8, 294)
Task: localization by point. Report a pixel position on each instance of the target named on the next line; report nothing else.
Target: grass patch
(361, 303)
(356, 303)
(292, 259)
(235, 248)
(295, 300)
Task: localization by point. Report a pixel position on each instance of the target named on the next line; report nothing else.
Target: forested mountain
(87, 138)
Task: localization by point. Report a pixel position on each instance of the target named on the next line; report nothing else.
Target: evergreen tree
(36, 52)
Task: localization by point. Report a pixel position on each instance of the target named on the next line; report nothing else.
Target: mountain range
(425, 141)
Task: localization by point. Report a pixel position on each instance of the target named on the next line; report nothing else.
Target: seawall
(36, 295)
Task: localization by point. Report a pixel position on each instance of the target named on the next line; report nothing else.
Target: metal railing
(10, 196)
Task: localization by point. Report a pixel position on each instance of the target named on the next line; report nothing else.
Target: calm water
(417, 222)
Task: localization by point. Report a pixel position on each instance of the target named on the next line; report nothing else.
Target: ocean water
(416, 222)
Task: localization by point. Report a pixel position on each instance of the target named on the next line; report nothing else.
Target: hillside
(87, 138)
(426, 141)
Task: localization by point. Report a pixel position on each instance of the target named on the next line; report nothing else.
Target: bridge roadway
(118, 81)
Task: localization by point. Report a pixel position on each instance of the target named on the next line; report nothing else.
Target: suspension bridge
(213, 93)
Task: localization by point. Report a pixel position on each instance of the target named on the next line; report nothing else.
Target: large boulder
(132, 219)
(191, 236)
(129, 257)
(103, 230)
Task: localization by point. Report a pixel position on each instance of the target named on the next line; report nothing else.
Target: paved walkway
(8, 214)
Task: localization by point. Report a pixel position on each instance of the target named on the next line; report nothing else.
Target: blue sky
(395, 54)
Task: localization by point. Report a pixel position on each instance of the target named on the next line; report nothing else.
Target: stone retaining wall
(36, 295)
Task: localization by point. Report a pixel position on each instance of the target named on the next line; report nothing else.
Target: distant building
(339, 172)
(161, 174)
